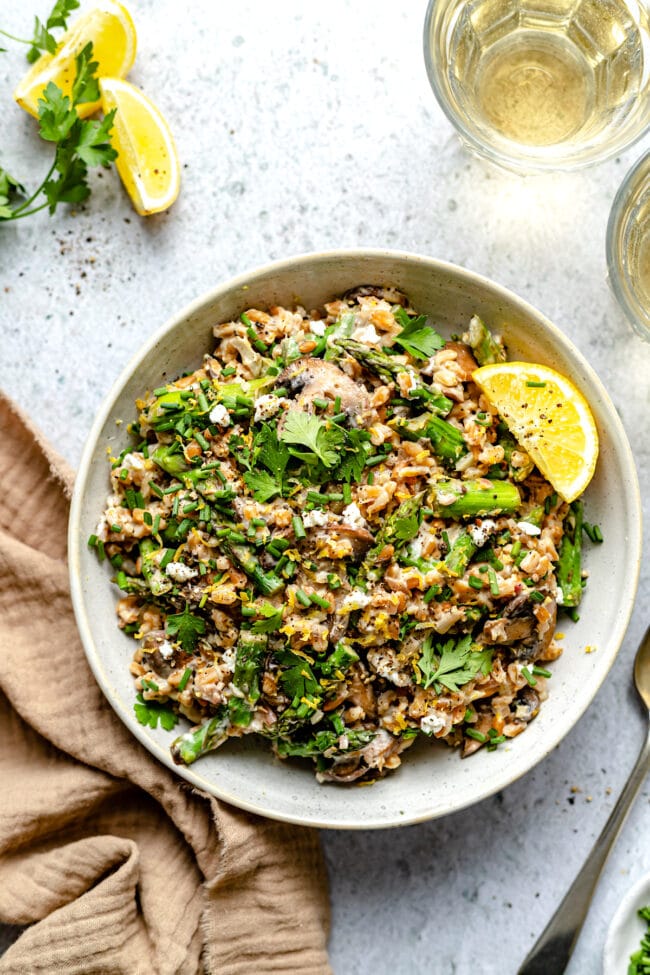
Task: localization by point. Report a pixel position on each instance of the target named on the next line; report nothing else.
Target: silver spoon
(551, 953)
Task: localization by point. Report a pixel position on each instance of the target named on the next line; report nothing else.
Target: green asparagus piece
(388, 368)
(569, 569)
(509, 444)
(158, 582)
(535, 516)
(447, 441)
(340, 659)
(323, 741)
(268, 583)
(399, 528)
(170, 459)
(460, 554)
(249, 664)
(466, 499)
(485, 347)
(208, 736)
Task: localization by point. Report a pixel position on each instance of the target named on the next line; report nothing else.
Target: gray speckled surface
(302, 129)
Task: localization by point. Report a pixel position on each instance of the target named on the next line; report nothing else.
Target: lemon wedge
(549, 417)
(111, 30)
(147, 160)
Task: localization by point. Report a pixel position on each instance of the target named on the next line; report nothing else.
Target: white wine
(534, 88)
(541, 79)
(628, 246)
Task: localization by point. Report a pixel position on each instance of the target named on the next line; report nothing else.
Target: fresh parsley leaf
(9, 188)
(311, 432)
(417, 337)
(452, 663)
(272, 619)
(353, 459)
(270, 451)
(263, 485)
(42, 38)
(85, 87)
(55, 114)
(297, 678)
(150, 713)
(239, 451)
(407, 526)
(94, 144)
(187, 627)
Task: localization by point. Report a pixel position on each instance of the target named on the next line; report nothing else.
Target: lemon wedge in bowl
(110, 28)
(147, 160)
(549, 417)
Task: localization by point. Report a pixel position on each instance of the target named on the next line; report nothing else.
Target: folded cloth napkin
(116, 865)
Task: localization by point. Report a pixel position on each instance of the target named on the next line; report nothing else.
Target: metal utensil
(553, 949)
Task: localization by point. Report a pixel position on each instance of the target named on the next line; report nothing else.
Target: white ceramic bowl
(433, 780)
(626, 929)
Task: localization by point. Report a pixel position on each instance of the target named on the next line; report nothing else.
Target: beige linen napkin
(117, 865)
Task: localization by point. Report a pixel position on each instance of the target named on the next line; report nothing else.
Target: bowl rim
(76, 543)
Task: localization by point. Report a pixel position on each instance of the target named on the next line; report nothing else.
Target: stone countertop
(302, 129)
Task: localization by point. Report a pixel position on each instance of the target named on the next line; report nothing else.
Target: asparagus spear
(485, 347)
(447, 441)
(268, 583)
(388, 368)
(324, 741)
(249, 664)
(569, 564)
(460, 554)
(208, 736)
(399, 528)
(170, 459)
(457, 499)
(158, 582)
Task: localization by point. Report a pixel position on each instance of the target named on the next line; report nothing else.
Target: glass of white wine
(628, 246)
(541, 84)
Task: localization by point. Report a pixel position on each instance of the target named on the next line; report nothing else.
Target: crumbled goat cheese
(317, 328)
(357, 599)
(367, 333)
(228, 658)
(132, 462)
(166, 649)
(311, 519)
(527, 528)
(559, 596)
(220, 415)
(481, 533)
(432, 722)
(267, 406)
(180, 572)
(352, 516)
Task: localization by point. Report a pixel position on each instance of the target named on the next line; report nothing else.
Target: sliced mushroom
(525, 626)
(391, 295)
(526, 705)
(309, 377)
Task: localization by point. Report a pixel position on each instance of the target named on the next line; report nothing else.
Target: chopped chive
(124, 474)
(182, 684)
(337, 496)
(236, 537)
(339, 417)
(92, 540)
(147, 518)
(116, 560)
(101, 554)
(337, 404)
(476, 735)
(172, 489)
(160, 391)
(280, 391)
(598, 535)
(375, 459)
(536, 596)
(191, 506)
(475, 582)
(202, 400)
(529, 677)
(258, 522)
(430, 593)
(289, 570)
(483, 419)
(482, 569)
(516, 549)
(541, 672)
(370, 479)
(246, 320)
(494, 583)
(322, 404)
(228, 371)
(248, 611)
(156, 490)
(347, 494)
(333, 581)
(298, 527)
(303, 598)
(175, 505)
(201, 441)
(323, 603)
(531, 382)
(469, 714)
(314, 497)
(167, 557)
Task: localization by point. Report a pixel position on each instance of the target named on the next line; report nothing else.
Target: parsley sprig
(321, 439)
(43, 40)
(186, 627)
(417, 337)
(150, 713)
(451, 663)
(80, 144)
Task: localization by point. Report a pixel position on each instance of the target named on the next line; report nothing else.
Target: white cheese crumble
(352, 516)
(166, 649)
(267, 406)
(220, 415)
(367, 333)
(527, 528)
(228, 658)
(311, 519)
(356, 599)
(559, 596)
(180, 572)
(481, 533)
(317, 328)
(133, 462)
(433, 722)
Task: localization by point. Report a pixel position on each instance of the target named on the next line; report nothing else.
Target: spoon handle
(552, 951)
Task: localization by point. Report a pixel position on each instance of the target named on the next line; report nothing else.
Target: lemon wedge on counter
(147, 160)
(110, 28)
(549, 417)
